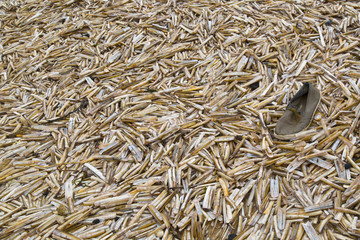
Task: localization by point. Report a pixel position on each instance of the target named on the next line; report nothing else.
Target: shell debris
(154, 120)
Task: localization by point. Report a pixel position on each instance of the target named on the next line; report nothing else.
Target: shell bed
(155, 120)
